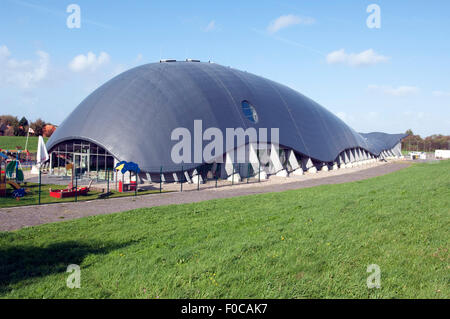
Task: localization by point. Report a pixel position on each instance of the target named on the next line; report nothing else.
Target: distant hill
(11, 142)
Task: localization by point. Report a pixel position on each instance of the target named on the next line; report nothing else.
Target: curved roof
(379, 141)
(133, 114)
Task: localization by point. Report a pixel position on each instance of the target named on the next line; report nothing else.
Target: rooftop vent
(167, 60)
(192, 60)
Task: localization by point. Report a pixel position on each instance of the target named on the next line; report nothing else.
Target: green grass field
(307, 243)
(11, 142)
(32, 197)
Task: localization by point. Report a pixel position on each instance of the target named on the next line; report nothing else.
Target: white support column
(228, 168)
(175, 178)
(352, 155)
(391, 152)
(296, 167)
(335, 165)
(324, 167)
(358, 157)
(261, 160)
(51, 163)
(361, 156)
(149, 177)
(351, 158)
(196, 177)
(340, 161)
(398, 150)
(188, 178)
(253, 158)
(229, 165)
(276, 162)
(308, 165)
(369, 158)
(364, 157)
(346, 160)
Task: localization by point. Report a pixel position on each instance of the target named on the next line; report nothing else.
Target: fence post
(160, 179)
(107, 183)
(232, 176)
(198, 179)
(259, 171)
(181, 178)
(76, 186)
(135, 188)
(39, 183)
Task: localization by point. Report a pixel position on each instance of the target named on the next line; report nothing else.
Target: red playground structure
(63, 193)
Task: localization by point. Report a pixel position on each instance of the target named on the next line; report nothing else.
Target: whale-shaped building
(132, 118)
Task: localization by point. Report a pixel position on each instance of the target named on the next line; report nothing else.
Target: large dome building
(133, 116)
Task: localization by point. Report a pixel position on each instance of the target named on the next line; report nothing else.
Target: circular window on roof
(249, 111)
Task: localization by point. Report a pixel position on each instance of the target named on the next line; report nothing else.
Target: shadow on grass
(21, 263)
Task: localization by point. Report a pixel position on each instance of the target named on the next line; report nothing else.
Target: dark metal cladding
(134, 114)
(382, 141)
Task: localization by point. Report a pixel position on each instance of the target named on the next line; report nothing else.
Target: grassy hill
(307, 243)
(11, 142)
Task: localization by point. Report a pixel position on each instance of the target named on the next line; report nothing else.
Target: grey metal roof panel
(133, 114)
(379, 141)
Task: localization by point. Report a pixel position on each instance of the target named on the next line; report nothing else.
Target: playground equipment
(63, 193)
(124, 167)
(2, 179)
(14, 185)
(70, 191)
(11, 170)
(18, 193)
(14, 172)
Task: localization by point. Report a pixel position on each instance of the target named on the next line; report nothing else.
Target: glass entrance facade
(88, 159)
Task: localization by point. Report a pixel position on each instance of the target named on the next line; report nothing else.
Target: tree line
(428, 144)
(11, 126)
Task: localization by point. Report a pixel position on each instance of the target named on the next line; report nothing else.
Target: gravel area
(19, 217)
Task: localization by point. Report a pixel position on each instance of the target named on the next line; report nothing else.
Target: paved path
(19, 217)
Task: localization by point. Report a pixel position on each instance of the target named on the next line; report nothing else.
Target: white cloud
(364, 58)
(403, 90)
(139, 58)
(286, 21)
(211, 26)
(22, 73)
(440, 93)
(372, 115)
(414, 115)
(88, 62)
(4, 52)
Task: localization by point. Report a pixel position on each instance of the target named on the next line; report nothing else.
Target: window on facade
(89, 160)
(249, 111)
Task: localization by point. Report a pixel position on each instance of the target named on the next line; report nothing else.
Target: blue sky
(388, 79)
